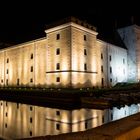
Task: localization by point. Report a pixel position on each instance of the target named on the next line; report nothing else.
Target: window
(110, 58)
(7, 60)
(102, 82)
(101, 56)
(6, 104)
(31, 80)
(17, 82)
(30, 133)
(57, 79)
(31, 55)
(1, 80)
(110, 80)
(85, 52)
(85, 66)
(7, 71)
(7, 82)
(102, 70)
(123, 61)
(31, 108)
(110, 69)
(17, 105)
(58, 66)
(6, 114)
(103, 119)
(31, 68)
(6, 125)
(57, 126)
(86, 125)
(57, 36)
(58, 113)
(85, 38)
(111, 116)
(31, 120)
(57, 51)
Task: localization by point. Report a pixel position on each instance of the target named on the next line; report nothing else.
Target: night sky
(22, 21)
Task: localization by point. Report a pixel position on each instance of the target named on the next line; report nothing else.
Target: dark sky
(23, 20)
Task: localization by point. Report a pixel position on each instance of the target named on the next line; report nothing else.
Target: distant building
(69, 56)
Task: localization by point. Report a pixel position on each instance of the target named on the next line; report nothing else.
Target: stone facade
(69, 56)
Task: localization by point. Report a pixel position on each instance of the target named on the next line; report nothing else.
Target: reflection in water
(21, 120)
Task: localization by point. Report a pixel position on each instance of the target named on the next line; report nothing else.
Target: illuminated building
(69, 56)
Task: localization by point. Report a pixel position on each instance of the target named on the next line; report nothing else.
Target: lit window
(57, 79)
(31, 55)
(57, 126)
(58, 66)
(85, 66)
(57, 36)
(85, 52)
(31, 68)
(57, 51)
(85, 38)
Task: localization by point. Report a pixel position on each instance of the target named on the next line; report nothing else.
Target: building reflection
(20, 120)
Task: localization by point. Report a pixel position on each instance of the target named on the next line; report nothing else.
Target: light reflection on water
(21, 120)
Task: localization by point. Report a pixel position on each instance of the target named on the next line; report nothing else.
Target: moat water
(23, 121)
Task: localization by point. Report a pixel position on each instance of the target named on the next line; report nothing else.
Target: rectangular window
(57, 79)
(123, 61)
(57, 36)
(6, 104)
(86, 125)
(31, 68)
(31, 108)
(17, 105)
(57, 66)
(31, 80)
(6, 114)
(110, 58)
(110, 70)
(17, 82)
(7, 82)
(7, 60)
(110, 80)
(102, 70)
(1, 80)
(31, 120)
(85, 66)
(30, 133)
(31, 55)
(111, 116)
(101, 56)
(103, 119)
(85, 38)
(6, 125)
(57, 126)
(57, 51)
(102, 82)
(7, 71)
(85, 52)
(58, 113)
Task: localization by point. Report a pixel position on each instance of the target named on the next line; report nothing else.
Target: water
(22, 121)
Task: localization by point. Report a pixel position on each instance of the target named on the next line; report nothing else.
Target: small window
(110, 69)
(110, 58)
(102, 82)
(57, 126)
(31, 68)
(85, 37)
(86, 125)
(57, 51)
(7, 82)
(57, 79)
(110, 80)
(7, 71)
(17, 105)
(30, 133)
(31, 108)
(111, 116)
(6, 104)
(103, 119)
(85, 66)
(31, 120)
(57, 36)
(6, 125)
(1, 104)
(31, 80)
(1, 80)
(31, 55)
(101, 56)
(17, 82)
(58, 66)
(6, 114)
(123, 61)
(58, 113)
(7, 60)
(85, 52)
(102, 70)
